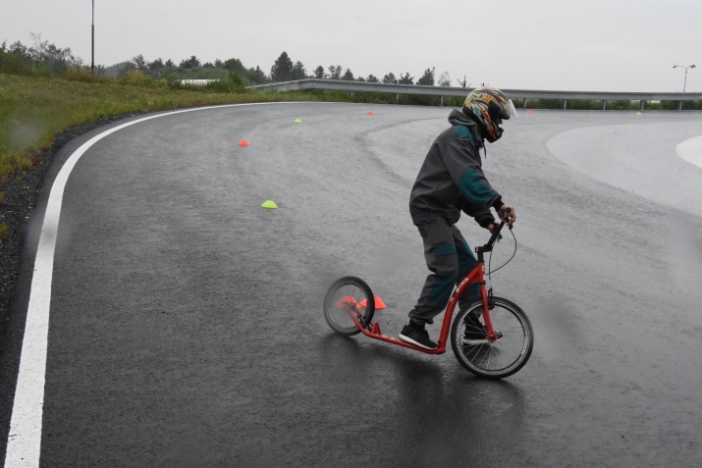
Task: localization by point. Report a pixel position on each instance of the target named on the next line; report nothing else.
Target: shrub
(233, 83)
(135, 78)
(622, 105)
(584, 104)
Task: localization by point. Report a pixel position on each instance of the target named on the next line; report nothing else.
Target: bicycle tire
(358, 291)
(508, 354)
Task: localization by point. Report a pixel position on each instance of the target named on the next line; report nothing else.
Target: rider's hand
(491, 227)
(507, 217)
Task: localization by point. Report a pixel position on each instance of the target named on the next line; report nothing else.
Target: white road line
(24, 439)
(691, 150)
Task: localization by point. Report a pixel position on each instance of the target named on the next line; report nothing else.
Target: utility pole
(92, 48)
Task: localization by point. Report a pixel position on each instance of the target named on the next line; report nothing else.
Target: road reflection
(420, 409)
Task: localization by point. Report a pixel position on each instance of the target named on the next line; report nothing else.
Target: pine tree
(192, 62)
(390, 78)
(298, 71)
(406, 79)
(282, 69)
(335, 72)
(427, 78)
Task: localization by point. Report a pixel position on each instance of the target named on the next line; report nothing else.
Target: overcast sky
(592, 45)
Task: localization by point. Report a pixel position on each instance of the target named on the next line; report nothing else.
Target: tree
(233, 64)
(348, 76)
(156, 65)
(192, 62)
(18, 49)
(427, 78)
(445, 79)
(282, 69)
(464, 82)
(15, 60)
(298, 71)
(319, 72)
(390, 78)
(170, 64)
(335, 72)
(50, 56)
(372, 79)
(139, 62)
(218, 63)
(256, 75)
(406, 79)
(360, 78)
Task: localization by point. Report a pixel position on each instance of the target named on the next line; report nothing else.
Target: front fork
(488, 305)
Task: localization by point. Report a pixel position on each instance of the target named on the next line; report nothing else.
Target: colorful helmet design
(491, 107)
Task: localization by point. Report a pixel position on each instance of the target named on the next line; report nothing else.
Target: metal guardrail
(397, 89)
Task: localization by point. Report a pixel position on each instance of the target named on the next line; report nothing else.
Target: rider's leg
(442, 261)
(441, 257)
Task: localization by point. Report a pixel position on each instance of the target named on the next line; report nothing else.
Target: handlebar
(494, 238)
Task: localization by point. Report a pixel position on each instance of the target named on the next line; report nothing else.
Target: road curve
(186, 325)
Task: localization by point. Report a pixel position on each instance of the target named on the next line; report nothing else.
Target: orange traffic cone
(379, 304)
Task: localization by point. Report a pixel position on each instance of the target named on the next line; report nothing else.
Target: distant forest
(46, 58)
(284, 69)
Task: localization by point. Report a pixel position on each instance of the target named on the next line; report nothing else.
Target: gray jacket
(451, 179)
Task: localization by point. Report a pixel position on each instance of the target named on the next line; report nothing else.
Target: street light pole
(92, 40)
(686, 68)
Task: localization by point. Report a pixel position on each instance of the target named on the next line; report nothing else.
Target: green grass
(34, 109)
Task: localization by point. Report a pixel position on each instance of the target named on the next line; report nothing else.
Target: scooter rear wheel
(348, 295)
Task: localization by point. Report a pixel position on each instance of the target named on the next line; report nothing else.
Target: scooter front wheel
(347, 297)
(502, 357)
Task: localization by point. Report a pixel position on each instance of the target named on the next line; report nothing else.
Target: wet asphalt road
(186, 321)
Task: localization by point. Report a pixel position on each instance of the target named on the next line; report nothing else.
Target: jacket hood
(458, 117)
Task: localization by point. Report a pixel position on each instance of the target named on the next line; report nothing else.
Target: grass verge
(34, 109)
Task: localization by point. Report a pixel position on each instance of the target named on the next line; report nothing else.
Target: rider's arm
(482, 216)
(485, 218)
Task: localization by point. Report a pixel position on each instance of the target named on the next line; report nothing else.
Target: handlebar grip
(507, 212)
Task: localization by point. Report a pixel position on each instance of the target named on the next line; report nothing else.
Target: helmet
(491, 107)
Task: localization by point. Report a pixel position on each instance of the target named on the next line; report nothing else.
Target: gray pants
(449, 259)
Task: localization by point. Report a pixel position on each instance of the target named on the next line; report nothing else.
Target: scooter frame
(476, 275)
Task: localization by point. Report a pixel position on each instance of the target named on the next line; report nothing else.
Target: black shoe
(476, 333)
(417, 335)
